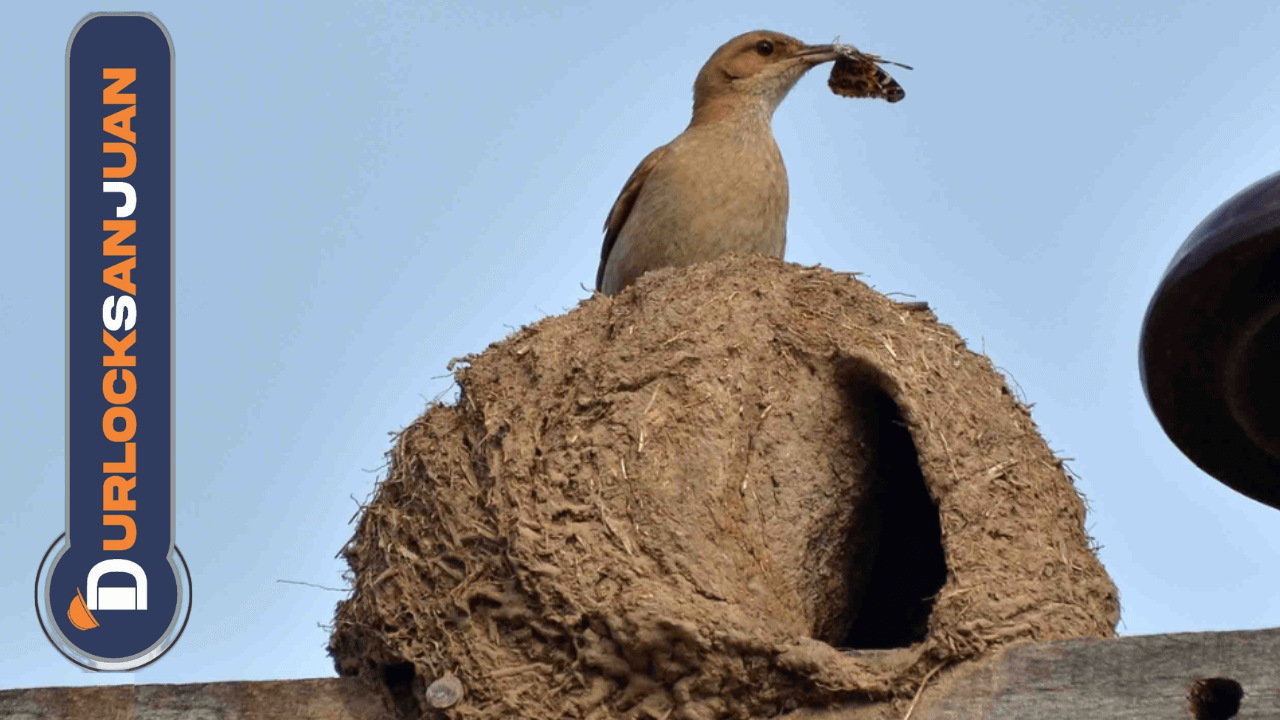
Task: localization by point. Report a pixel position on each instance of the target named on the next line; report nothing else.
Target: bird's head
(754, 72)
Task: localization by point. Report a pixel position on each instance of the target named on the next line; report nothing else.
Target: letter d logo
(113, 596)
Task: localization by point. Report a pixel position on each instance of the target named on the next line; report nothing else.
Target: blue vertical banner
(114, 596)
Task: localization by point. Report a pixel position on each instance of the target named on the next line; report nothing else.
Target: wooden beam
(319, 699)
(1147, 677)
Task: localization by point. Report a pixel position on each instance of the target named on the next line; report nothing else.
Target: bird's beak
(818, 54)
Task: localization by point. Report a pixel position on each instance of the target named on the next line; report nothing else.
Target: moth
(858, 75)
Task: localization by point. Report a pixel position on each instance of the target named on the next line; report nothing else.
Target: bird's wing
(622, 207)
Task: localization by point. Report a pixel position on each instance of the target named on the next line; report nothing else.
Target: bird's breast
(717, 193)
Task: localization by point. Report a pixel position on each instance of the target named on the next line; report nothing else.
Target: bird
(720, 186)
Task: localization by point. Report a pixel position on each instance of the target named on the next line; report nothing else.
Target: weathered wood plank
(1145, 677)
(1133, 678)
(112, 702)
(320, 699)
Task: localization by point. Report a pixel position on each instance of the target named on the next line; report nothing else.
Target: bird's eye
(764, 47)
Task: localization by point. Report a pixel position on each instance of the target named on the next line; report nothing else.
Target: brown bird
(720, 186)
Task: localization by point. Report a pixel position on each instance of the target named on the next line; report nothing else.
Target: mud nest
(734, 490)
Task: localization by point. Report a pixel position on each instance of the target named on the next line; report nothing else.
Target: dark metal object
(1210, 347)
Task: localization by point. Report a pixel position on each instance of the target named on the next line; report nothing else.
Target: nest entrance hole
(404, 687)
(909, 566)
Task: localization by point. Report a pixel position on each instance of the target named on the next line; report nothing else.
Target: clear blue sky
(365, 192)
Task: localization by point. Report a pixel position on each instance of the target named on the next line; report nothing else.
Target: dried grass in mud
(682, 501)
